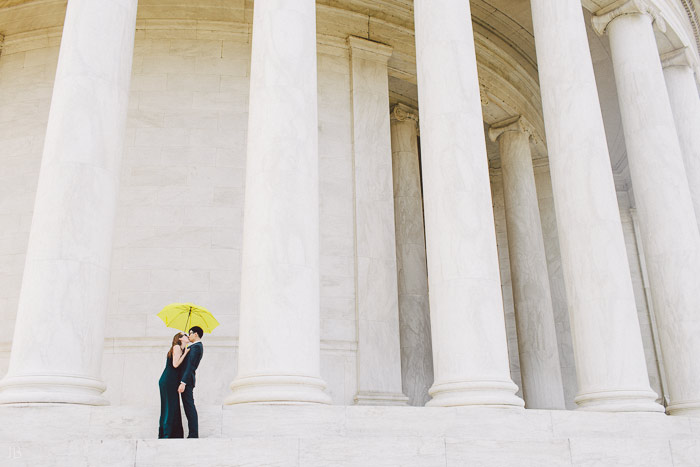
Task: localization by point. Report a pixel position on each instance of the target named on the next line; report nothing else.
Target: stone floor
(281, 435)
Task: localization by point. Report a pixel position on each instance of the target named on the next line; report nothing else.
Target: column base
(685, 408)
(52, 389)
(380, 398)
(619, 401)
(479, 393)
(278, 389)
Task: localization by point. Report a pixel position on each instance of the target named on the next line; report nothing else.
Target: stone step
(353, 436)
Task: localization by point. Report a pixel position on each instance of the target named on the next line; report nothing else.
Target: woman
(170, 417)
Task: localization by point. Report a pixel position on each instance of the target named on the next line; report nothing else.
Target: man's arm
(193, 359)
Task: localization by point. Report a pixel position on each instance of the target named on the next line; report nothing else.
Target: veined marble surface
(414, 311)
(537, 339)
(379, 351)
(685, 105)
(65, 285)
(279, 352)
(184, 164)
(669, 230)
(467, 323)
(607, 342)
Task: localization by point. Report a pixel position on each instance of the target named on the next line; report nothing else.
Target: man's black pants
(190, 412)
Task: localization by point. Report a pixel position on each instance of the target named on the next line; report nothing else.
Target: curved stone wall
(178, 228)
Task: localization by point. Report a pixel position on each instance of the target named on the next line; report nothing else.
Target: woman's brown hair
(176, 341)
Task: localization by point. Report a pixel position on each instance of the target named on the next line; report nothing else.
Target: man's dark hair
(198, 330)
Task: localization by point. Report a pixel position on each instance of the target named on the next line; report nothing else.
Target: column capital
(402, 112)
(509, 124)
(369, 50)
(602, 18)
(679, 57)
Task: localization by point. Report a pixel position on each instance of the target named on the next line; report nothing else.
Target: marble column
(414, 312)
(685, 105)
(534, 315)
(279, 338)
(667, 222)
(378, 344)
(59, 334)
(608, 351)
(470, 355)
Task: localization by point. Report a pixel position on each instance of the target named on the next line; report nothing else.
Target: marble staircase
(281, 435)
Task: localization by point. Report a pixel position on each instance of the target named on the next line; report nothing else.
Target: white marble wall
(27, 69)
(179, 236)
(178, 231)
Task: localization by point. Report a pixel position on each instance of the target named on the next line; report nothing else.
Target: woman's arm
(178, 355)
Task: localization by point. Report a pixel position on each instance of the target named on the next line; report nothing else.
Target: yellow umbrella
(184, 316)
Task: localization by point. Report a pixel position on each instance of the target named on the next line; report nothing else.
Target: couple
(177, 379)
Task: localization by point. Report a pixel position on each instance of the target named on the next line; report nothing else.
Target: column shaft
(379, 349)
(608, 350)
(59, 335)
(279, 341)
(537, 338)
(669, 231)
(685, 104)
(469, 343)
(414, 312)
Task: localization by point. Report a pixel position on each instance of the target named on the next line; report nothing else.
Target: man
(188, 379)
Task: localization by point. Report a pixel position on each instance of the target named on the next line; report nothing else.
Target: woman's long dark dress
(170, 417)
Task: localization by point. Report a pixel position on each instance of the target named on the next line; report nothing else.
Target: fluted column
(685, 105)
(537, 337)
(470, 353)
(279, 343)
(59, 334)
(610, 365)
(414, 312)
(669, 231)
(378, 344)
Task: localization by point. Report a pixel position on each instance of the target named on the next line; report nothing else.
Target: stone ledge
(354, 435)
(354, 451)
(66, 422)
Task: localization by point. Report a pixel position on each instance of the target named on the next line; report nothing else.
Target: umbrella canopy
(183, 316)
